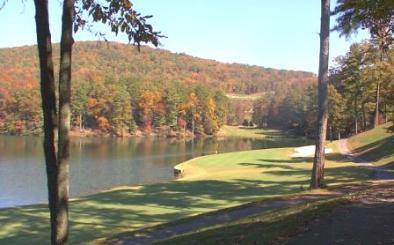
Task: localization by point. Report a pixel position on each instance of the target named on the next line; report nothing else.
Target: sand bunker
(307, 151)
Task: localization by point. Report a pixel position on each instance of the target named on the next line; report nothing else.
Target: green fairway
(210, 183)
(248, 132)
(376, 145)
(283, 138)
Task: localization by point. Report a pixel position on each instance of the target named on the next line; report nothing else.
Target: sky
(280, 34)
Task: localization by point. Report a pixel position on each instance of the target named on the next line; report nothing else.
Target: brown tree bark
(319, 160)
(48, 96)
(56, 128)
(356, 114)
(364, 117)
(376, 121)
(64, 120)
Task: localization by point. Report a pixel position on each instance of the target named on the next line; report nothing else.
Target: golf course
(207, 184)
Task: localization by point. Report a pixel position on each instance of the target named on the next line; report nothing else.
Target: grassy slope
(265, 228)
(275, 227)
(375, 145)
(211, 183)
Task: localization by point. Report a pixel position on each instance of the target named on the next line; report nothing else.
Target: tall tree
(63, 154)
(319, 159)
(47, 84)
(351, 72)
(120, 16)
(375, 15)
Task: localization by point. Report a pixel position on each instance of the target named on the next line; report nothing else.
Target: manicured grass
(248, 132)
(270, 167)
(211, 183)
(270, 135)
(376, 145)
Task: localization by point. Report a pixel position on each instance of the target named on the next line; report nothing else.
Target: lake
(99, 164)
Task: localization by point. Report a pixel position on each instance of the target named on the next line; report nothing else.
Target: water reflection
(102, 163)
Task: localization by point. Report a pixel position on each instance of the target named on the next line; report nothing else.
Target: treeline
(293, 108)
(121, 107)
(361, 79)
(96, 60)
(117, 90)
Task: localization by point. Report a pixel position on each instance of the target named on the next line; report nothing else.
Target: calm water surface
(102, 163)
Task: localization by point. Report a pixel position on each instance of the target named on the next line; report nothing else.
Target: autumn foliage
(118, 90)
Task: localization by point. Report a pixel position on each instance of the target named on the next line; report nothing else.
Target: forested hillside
(117, 89)
(101, 60)
(361, 81)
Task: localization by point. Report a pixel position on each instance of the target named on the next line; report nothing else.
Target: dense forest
(118, 90)
(353, 91)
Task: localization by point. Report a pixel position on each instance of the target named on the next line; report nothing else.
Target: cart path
(380, 173)
(369, 219)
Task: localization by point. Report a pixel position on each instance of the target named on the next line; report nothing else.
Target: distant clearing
(245, 96)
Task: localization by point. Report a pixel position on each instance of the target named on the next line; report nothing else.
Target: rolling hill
(98, 60)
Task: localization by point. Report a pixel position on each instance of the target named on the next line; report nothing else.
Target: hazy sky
(278, 34)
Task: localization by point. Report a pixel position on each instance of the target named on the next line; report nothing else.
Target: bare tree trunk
(64, 120)
(356, 114)
(319, 160)
(385, 113)
(80, 121)
(376, 121)
(48, 96)
(364, 116)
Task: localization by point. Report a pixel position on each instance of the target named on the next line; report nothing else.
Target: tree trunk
(385, 113)
(318, 162)
(356, 114)
(193, 125)
(64, 120)
(376, 121)
(364, 116)
(80, 121)
(48, 96)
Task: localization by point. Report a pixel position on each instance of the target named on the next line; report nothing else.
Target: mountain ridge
(97, 60)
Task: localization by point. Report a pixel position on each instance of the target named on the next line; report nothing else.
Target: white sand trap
(307, 151)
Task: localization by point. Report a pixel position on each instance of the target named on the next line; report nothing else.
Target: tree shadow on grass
(264, 230)
(117, 211)
(276, 162)
(266, 165)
